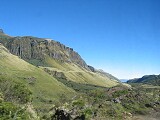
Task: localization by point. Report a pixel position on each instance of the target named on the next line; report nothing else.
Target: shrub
(10, 111)
(15, 91)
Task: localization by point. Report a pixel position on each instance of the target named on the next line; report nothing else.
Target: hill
(16, 72)
(44, 79)
(56, 57)
(14, 68)
(147, 79)
(37, 73)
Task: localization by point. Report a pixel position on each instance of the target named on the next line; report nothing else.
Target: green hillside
(42, 79)
(147, 79)
(43, 86)
(47, 88)
(46, 53)
(79, 74)
(34, 91)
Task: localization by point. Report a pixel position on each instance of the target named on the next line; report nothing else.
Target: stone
(55, 73)
(91, 68)
(37, 48)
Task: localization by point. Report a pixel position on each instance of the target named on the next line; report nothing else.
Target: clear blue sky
(121, 37)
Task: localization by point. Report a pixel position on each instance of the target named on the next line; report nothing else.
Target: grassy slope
(78, 74)
(44, 87)
(72, 72)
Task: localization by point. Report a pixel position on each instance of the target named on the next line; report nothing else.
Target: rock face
(91, 68)
(37, 48)
(55, 73)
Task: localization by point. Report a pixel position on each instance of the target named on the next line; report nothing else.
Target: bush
(119, 93)
(79, 103)
(10, 111)
(15, 91)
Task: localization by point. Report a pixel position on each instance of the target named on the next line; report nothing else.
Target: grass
(78, 74)
(150, 86)
(43, 86)
(80, 87)
(42, 89)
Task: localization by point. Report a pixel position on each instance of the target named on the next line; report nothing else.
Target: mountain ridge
(28, 47)
(47, 82)
(147, 79)
(50, 53)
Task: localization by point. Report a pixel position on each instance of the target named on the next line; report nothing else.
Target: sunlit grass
(43, 86)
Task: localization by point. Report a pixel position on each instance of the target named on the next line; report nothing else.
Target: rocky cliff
(50, 53)
(37, 48)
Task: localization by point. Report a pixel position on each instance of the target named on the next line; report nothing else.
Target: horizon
(120, 37)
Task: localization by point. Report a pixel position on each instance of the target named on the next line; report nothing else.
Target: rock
(91, 68)
(116, 100)
(148, 105)
(158, 102)
(60, 115)
(31, 80)
(29, 48)
(55, 73)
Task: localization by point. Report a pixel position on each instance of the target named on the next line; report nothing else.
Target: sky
(122, 37)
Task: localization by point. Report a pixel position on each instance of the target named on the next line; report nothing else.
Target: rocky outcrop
(62, 114)
(37, 48)
(40, 52)
(25, 47)
(55, 73)
(91, 68)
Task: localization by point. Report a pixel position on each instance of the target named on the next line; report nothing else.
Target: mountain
(56, 57)
(44, 72)
(32, 48)
(22, 83)
(42, 79)
(147, 79)
(38, 81)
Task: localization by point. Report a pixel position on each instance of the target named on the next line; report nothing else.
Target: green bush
(9, 111)
(88, 113)
(15, 91)
(21, 93)
(119, 93)
(79, 103)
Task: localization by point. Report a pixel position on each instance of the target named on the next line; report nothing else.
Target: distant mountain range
(123, 80)
(147, 79)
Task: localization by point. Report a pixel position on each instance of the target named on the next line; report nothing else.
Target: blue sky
(121, 37)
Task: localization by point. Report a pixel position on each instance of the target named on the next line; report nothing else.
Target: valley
(42, 79)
